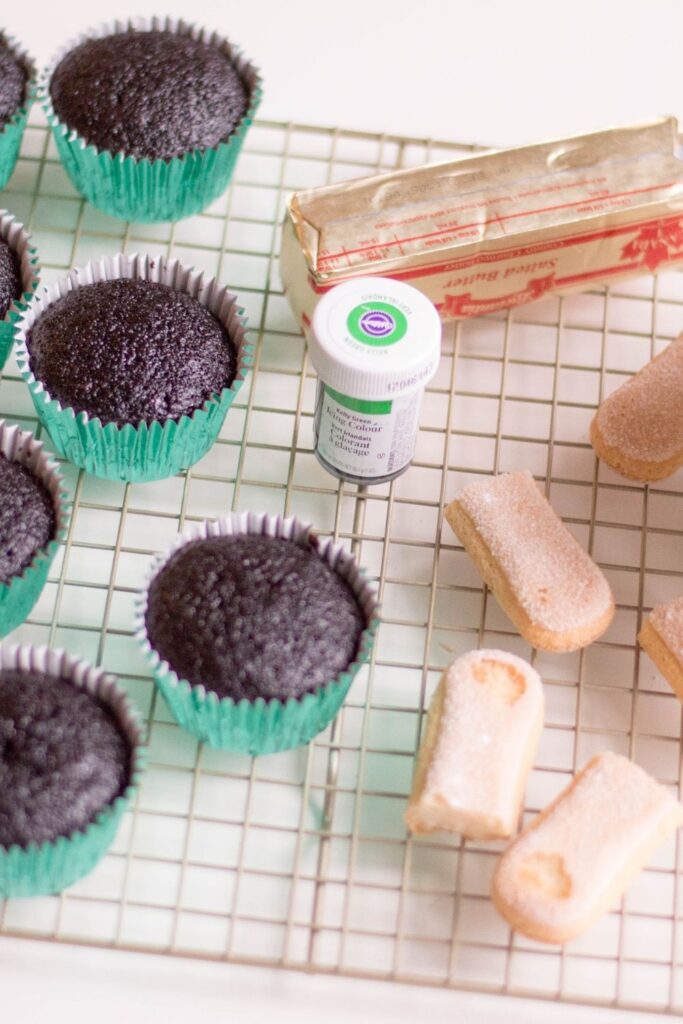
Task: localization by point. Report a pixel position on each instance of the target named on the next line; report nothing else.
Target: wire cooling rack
(301, 859)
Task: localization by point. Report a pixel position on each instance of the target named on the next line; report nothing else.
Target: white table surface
(491, 72)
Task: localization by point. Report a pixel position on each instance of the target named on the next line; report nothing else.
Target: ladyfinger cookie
(548, 585)
(638, 430)
(662, 637)
(576, 859)
(481, 736)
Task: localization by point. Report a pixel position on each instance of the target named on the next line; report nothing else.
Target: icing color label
(365, 439)
(376, 323)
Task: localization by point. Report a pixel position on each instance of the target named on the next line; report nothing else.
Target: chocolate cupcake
(28, 518)
(14, 76)
(132, 364)
(149, 117)
(248, 616)
(70, 754)
(19, 273)
(17, 86)
(10, 278)
(255, 628)
(131, 352)
(33, 520)
(164, 94)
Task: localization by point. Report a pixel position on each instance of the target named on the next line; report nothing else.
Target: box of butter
(492, 231)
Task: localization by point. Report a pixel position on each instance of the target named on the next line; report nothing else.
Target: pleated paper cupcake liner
(39, 869)
(12, 132)
(20, 593)
(17, 238)
(260, 726)
(144, 451)
(152, 190)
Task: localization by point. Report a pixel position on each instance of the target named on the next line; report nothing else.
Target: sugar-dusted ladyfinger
(574, 861)
(481, 736)
(549, 586)
(638, 430)
(662, 637)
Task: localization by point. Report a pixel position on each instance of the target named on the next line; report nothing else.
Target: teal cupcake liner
(143, 451)
(17, 238)
(259, 727)
(20, 593)
(151, 190)
(40, 869)
(12, 132)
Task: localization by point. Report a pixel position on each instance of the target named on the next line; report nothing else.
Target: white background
(492, 71)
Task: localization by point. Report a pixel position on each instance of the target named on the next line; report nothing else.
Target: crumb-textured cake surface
(667, 619)
(149, 94)
(63, 758)
(489, 718)
(250, 616)
(10, 278)
(27, 517)
(558, 871)
(13, 82)
(129, 351)
(643, 418)
(555, 581)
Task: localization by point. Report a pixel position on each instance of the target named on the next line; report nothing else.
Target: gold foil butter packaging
(493, 231)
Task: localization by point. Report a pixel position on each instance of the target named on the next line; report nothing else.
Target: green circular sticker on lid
(377, 323)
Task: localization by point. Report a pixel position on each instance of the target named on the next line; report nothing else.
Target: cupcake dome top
(27, 517)
(250, 616)
(131, 351)
(63, 757)
(10, 273)
(149, 94)
(14, 76)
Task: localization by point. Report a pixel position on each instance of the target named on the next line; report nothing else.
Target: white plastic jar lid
(373, 337)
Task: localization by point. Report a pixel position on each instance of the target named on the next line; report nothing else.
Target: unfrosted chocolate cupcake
(19, 273)
(71, 753)
(251, 616)
(63, 758)
(17, 85)
(149, 116)
(33, 521)
(149, 94)
(15, 73)
(132, 363)
(10, 278)
(131, 351)
(255, 629)
(28, 520)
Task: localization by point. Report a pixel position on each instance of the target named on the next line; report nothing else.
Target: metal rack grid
(301, 859)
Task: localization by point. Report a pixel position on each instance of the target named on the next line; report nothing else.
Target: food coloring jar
(375, 344)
